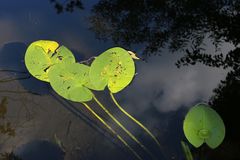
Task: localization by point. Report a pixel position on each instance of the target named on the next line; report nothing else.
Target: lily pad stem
(112, 130)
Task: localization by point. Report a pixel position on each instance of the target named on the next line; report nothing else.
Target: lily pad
(69, 80)
(113, 68)
(203, 124)
(43, 54)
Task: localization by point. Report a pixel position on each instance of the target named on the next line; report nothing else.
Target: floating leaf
(43, 54)
(114, 67)
(203, 124)
(69, 80)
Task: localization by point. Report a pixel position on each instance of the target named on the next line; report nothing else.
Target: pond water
(33, 117)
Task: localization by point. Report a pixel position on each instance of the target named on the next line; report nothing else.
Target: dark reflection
(67, 5)
(5, 126)
(167, 23)
(9, 156)
(39, 150)
(231, 60)
(225, 101)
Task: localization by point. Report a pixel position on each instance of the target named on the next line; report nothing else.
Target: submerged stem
(120, 125)
(112, 130)
(186, 150)
(135, 120)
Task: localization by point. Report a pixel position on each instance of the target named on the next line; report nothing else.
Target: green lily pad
(113, 68)
(203, 124)
(43, 54)
(69, 80)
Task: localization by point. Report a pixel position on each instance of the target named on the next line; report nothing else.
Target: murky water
(36, 122)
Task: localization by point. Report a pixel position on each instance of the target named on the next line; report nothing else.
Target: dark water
(190, 51)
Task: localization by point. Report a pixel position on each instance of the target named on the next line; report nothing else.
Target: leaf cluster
(47, 61)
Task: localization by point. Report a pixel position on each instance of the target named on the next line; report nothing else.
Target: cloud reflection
(161, 84)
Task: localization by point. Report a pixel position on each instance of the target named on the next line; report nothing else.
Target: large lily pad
(113, 68)
(69, 80)
(43, 54)
(203, 124)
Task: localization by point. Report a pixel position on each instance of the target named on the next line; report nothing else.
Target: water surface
(160, 94)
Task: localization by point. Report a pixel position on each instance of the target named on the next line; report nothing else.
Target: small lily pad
(43, 54)
(203, 124)
(113, 68)
(69, 80)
